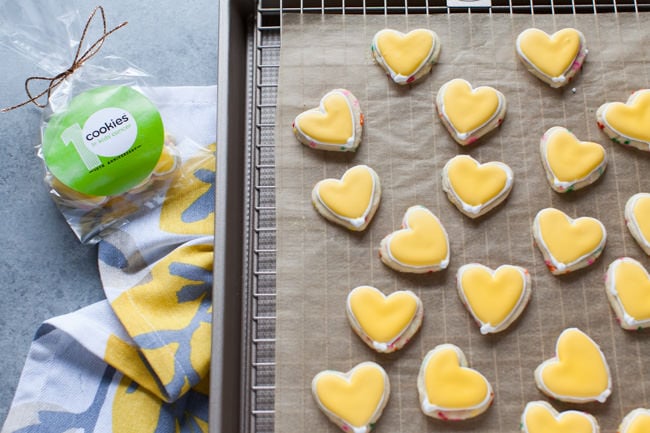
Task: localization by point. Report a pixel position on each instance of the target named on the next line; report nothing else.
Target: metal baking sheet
(243, 369)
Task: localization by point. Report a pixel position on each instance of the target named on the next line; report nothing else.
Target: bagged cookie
(105, 149)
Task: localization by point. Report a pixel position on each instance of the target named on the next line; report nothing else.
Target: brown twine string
(79, 59)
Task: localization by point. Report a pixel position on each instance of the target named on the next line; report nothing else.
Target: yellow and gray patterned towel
(138, 361)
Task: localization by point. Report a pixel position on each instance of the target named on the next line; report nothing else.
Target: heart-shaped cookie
(354, 400)
(637, 421)
(541, 417)
(495, 298)
(568, 244)
(336, 125)
(70, 197)
(578, 373)
(570, 164)
(385, 323)
(468, 113)
(628, 290)
(476, 188)
(637, 218)
(351, 201)
(627, 123)
(553, 59)
(406, 57)
(448, 389)
(420, 246)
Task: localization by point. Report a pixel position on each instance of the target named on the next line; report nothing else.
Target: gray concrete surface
(44, 270)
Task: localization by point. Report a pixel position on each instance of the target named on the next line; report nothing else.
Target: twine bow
(79, 59)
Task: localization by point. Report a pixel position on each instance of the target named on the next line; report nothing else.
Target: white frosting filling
(563, 185)
(629, 320)
(428, 407)
(612, 287)
(560, 79)
(381, 347)
(602, 398)
(487, 329)
(472, 209)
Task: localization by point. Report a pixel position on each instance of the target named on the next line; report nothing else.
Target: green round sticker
(107, 141)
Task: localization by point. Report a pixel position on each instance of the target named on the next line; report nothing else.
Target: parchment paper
(319, 262)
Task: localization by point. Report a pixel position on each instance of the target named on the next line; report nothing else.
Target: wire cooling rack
(258, 357)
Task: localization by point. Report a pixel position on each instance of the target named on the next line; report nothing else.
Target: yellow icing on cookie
(541, 419)
(422, 243)
(640, 424)
(552, 55)
(349, 197)
(332, 123)
(642, 215)
(568, 241)
(382, 318)
(492, 296)
(354, 399)
(579, 370)
(404, 53)
(166, 163)
(467, 109)
(474, 183)
(571, 159)
(631, 119)
(633, 287)
(451, 386)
